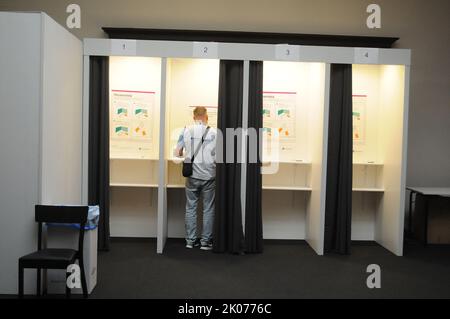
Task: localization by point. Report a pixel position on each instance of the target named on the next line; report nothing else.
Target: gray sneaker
(192, 245)
(206, 247)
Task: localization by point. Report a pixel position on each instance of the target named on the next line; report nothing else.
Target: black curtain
(253, 211)
(228, 232)
(98, 180)
(338, 206)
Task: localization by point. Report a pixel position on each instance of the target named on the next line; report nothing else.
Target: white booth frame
(246, 52)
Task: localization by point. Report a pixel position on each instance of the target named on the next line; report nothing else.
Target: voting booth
(380, 100)
(190, 83)
(135, 93)
(294, 107)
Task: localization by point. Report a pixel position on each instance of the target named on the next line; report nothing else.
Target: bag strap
(198, 147)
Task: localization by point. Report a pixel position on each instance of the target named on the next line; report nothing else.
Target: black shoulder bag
(187, 166)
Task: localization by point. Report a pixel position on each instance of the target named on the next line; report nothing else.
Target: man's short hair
(200, 111)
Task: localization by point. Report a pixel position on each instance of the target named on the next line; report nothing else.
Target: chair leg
(83, 278)
(38, 282)
(20, 281)
(68, 290)
(44, 282)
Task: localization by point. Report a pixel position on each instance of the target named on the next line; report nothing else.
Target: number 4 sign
(366, 56)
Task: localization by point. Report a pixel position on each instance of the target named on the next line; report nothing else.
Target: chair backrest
(62, 214)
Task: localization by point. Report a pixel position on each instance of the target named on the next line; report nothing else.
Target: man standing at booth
(199, 144)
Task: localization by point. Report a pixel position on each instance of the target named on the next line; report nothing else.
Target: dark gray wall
(423, 26)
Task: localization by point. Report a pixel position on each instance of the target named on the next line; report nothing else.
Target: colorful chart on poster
(359, 121)
(131, 123)
(279, 115)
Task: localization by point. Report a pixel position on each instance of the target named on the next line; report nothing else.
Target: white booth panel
(390, 218)
(20, 78)
(133, 212)
(61, 115)
(317, 149)
(41, 134)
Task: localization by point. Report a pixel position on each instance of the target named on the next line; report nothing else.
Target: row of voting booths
(154, 86)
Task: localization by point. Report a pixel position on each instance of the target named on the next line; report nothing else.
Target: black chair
(55, 258)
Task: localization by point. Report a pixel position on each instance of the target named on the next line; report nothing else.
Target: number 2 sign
(207, 50)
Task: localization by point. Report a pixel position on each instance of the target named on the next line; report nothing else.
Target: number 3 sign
(287, 52)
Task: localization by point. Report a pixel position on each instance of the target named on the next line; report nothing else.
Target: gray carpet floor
(132, 269)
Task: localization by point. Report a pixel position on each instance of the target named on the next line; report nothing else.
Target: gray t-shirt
(204, 166)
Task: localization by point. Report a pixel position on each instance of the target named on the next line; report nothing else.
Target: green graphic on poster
(359, 122)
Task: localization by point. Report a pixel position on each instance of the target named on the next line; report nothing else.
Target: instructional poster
(279, 114)
(359, 122)
(131, 124)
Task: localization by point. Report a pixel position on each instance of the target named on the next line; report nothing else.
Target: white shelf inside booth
(133, 185)
(296, 161)
(374, 190)
(288, 188)
(368, 163)
(133, 159)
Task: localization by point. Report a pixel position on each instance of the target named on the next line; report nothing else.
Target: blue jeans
(195, 188)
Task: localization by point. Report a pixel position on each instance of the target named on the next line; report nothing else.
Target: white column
(85, 138)
(245, 93)
(162, 190)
